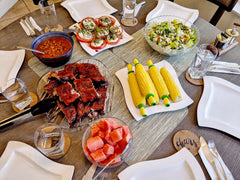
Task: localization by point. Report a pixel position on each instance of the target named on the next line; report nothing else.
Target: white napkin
(225, 67)
(210, 170)
(35, 25)
(25, 28)
(10, 63)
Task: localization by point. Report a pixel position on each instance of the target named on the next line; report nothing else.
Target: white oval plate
(123, 77)
(169, 8)
(181, 166)
(23, 162)
(80, 9)
(219, 105)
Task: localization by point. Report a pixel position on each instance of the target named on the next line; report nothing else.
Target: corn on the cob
(138, 99)
(156, 97)
(173, 89)
(159, 83)
(144, 82)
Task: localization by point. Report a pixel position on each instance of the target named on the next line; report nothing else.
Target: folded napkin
(224, 67)
(10, 63)
(210, 169)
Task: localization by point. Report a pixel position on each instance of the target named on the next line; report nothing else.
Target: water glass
(16, 92)
(128, 11)
(48, 11)
(204, 58)
(50, 140)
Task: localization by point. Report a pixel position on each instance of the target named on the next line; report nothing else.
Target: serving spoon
(29, 49)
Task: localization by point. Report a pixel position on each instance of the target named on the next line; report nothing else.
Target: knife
(209, 156)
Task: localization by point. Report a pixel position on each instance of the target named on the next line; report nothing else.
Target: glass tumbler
(48, 11)
(128, 12)
(50, 140)
(205, 56)
(16, 92)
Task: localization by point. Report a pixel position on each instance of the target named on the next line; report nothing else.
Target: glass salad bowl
(171, 35)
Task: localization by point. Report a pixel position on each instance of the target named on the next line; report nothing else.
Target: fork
(214, 152)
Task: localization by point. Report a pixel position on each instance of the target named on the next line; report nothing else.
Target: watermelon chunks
(108, 140)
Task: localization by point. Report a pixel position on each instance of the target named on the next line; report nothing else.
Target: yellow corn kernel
(159, 83)
(138, 99)
(144, 82)
(173, 89)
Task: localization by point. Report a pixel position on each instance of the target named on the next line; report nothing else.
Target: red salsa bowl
(57, 48)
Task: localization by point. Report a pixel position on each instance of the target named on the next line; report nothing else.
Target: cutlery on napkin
(224, 67)
(34, 24)
(212, 165)
(137, 8)
(25, 28)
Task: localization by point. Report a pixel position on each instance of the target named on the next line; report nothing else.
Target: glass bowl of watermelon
(106, 139)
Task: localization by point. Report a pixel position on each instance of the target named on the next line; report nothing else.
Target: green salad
(172, 35)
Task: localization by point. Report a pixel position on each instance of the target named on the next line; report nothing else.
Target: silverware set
(30, 26)
(212, 156)
(226, 67)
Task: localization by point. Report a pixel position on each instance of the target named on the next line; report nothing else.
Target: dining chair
(224, 5)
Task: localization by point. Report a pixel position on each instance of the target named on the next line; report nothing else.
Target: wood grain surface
(227, 145)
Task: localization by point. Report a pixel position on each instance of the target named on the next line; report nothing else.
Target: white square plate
(23, 162)
(123, 77)
(80, 9)
(219, 105)
(181, 166)
(170, 8)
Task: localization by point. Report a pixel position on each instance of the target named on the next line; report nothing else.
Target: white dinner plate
(181, 166)
(22, 162)
(125, 38)
(10, 63)
(123, 77)
(80, 9)
(219, 105)
(170, 8)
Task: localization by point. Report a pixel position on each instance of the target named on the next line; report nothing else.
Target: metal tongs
(41, 107)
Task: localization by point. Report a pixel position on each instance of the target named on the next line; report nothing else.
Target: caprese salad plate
(98, 33)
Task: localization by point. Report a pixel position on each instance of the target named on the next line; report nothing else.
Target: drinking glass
(205, 56)
(16, 92)
(50, 140)
(48, 11)
(128, 12)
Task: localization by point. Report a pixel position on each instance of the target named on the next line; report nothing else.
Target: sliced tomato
(112, 39)
(106, 21)
(117, 29)
(98, 43)
(85, 36)
(88, 23)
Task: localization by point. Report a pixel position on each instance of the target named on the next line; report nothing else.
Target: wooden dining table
(228, 146)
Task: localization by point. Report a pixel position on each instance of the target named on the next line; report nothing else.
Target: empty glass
(51, 141)
(128, 12)
(205, 56)
(48, 11)
(16, 92)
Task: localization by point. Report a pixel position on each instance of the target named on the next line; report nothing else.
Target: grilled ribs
(66, 93)
(69, 112)
(86, 89)
(80, 90)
